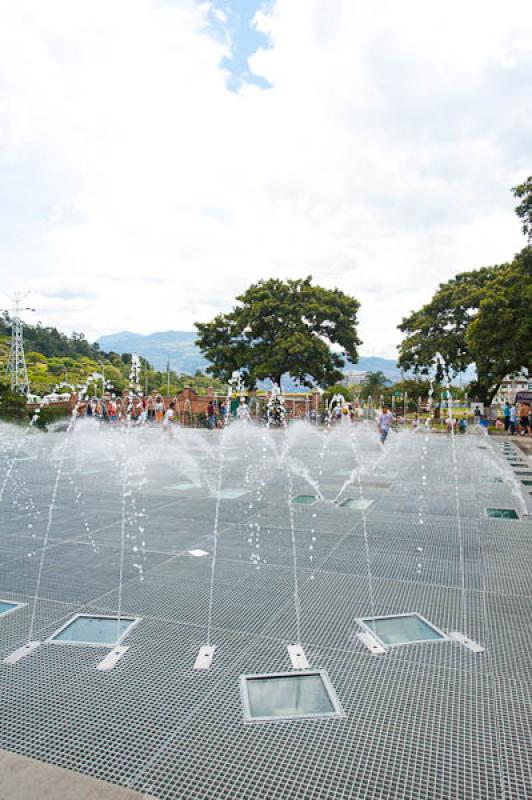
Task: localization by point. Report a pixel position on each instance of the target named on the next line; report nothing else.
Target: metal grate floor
(423, 722)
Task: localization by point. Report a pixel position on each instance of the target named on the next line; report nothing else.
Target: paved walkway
(26, 779)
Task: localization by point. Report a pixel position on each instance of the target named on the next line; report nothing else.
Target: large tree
(283, 327)
(479, 319)
(500, 336)
(442, 325)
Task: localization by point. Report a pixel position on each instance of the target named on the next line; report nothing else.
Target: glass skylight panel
(502, 513)
(7, 606)
(288, 695)
(94, 630)
(355, 503)
(304, 499)
(399, 629)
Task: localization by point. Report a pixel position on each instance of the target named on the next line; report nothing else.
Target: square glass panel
(304, 499)
(6, 607)
(356, 503)
(401, 629)
(288, 695)
(502, 513)
(232, 494)
(94, 630)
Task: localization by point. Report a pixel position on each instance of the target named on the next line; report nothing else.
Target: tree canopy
(500, 336)
(479, 318)
(523, 192)
(374, 385)
(283, 327)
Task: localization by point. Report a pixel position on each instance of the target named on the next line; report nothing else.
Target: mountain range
(178, 348)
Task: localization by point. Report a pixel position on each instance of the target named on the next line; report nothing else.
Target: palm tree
(374, 385)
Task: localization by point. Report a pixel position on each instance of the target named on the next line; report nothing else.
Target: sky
(158, 156)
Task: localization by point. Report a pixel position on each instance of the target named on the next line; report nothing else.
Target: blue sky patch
(242, 37)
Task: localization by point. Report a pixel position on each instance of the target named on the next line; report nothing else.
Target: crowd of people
(114, 410)
(517, 419)
(151, 409)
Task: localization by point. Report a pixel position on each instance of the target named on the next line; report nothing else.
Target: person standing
(111, 411)
(523, 419)
(451, 423)
(210, 415)
(150, 409)
(506, 415)
(384, 423)
(159, 409)
(168, 419)
(513, 418)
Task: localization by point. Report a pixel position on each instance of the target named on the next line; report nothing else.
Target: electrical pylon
(16, 366)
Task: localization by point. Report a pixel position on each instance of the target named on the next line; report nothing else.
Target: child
(168, 419)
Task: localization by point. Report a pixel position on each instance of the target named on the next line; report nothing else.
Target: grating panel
(420, 722)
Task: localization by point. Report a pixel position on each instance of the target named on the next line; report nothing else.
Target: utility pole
(168, 378)
(102, 367)
(16, 367)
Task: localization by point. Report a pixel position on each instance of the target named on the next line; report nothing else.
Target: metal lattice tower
(134, 375)
(16, 367)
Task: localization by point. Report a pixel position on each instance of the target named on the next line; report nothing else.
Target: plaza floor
(105, 521)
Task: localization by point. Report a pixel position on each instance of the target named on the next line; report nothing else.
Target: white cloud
(380, 161)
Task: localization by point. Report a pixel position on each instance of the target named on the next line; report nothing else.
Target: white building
(509, 388)
(355, 378)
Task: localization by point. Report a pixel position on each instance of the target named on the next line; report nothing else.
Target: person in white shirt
(384, 423)
(169, 418)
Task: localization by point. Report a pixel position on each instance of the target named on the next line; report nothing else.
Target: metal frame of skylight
(16, 605)
(338, 712)
(81, 642)
(368, 629)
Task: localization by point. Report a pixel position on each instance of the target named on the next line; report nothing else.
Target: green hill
(53, 357)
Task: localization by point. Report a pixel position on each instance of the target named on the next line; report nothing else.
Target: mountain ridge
(178, 348)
